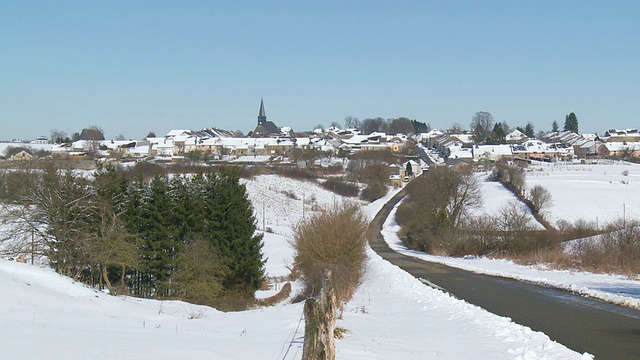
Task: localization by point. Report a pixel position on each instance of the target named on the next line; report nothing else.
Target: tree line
(185, 236)
(401, 125)
(486, 131)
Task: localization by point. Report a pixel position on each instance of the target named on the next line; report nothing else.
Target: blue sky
(131, 67)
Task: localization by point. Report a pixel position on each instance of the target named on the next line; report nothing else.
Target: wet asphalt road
(584, 325)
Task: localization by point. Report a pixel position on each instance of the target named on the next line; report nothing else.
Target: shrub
(617, 250)
(341, 187)
(373, 192)
(199, 272)
(146, 169)
(332, 240)
(295, 172)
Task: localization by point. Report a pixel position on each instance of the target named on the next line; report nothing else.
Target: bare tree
(111, 245)
(57, 136)
(482, 126)
(374, 125)
(456, 128)
(53, 216)
(351, 122)
(540, 198)
(446, 196)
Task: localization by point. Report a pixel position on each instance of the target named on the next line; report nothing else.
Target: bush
(373, 192)
(341, 187)
(333, 240)
(617, 250)
(295, 172)
(146, 169)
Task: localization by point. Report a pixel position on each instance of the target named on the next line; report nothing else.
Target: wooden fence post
(320, 323)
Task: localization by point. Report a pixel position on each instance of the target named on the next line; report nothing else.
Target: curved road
(584, 325)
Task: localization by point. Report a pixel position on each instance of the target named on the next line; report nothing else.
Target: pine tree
(499, 137)
(554, 126)
(159, 236)
(233, 226)
(528, 130)
(571, 123)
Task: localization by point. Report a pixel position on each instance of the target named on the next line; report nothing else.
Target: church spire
(262, 117)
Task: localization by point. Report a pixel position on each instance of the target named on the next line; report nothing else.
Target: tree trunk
(105, 277)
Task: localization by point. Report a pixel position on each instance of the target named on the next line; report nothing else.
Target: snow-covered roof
(515, 135)
(493, 149)
(178, 132)
(622, 146)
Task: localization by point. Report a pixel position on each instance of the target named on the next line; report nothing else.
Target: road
(584, 325)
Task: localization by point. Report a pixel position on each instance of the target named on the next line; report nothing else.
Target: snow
(497, 198)
(392, 315)
(597, 193)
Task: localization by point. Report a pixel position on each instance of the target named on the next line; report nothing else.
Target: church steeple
(262, 117)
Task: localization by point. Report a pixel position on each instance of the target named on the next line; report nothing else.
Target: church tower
(262, 117)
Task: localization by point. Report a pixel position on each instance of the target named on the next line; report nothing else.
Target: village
(270, 144)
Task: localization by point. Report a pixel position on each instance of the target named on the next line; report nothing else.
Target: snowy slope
(45, 315)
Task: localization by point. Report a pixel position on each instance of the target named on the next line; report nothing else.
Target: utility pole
(33, 245)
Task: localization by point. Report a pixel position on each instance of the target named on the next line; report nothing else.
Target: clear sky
(131, 67)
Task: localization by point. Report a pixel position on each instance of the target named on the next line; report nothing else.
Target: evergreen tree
(499, 137)
(159, 236)
(528, 130)
(233, 226)
(420, 127)
(554, 126)
(167, 215)
(571, 123)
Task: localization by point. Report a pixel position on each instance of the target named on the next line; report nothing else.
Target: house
(40, 140)
(584, 147)
(449, 141)
(429, 138)
(622, 135)
(23, 155)
(516, 137)
(624, 149)
(538, 150)
(491, 152)
(397, 173)
(564, 137)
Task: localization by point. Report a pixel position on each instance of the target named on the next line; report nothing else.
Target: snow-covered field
(497, 199)
(598, 193)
